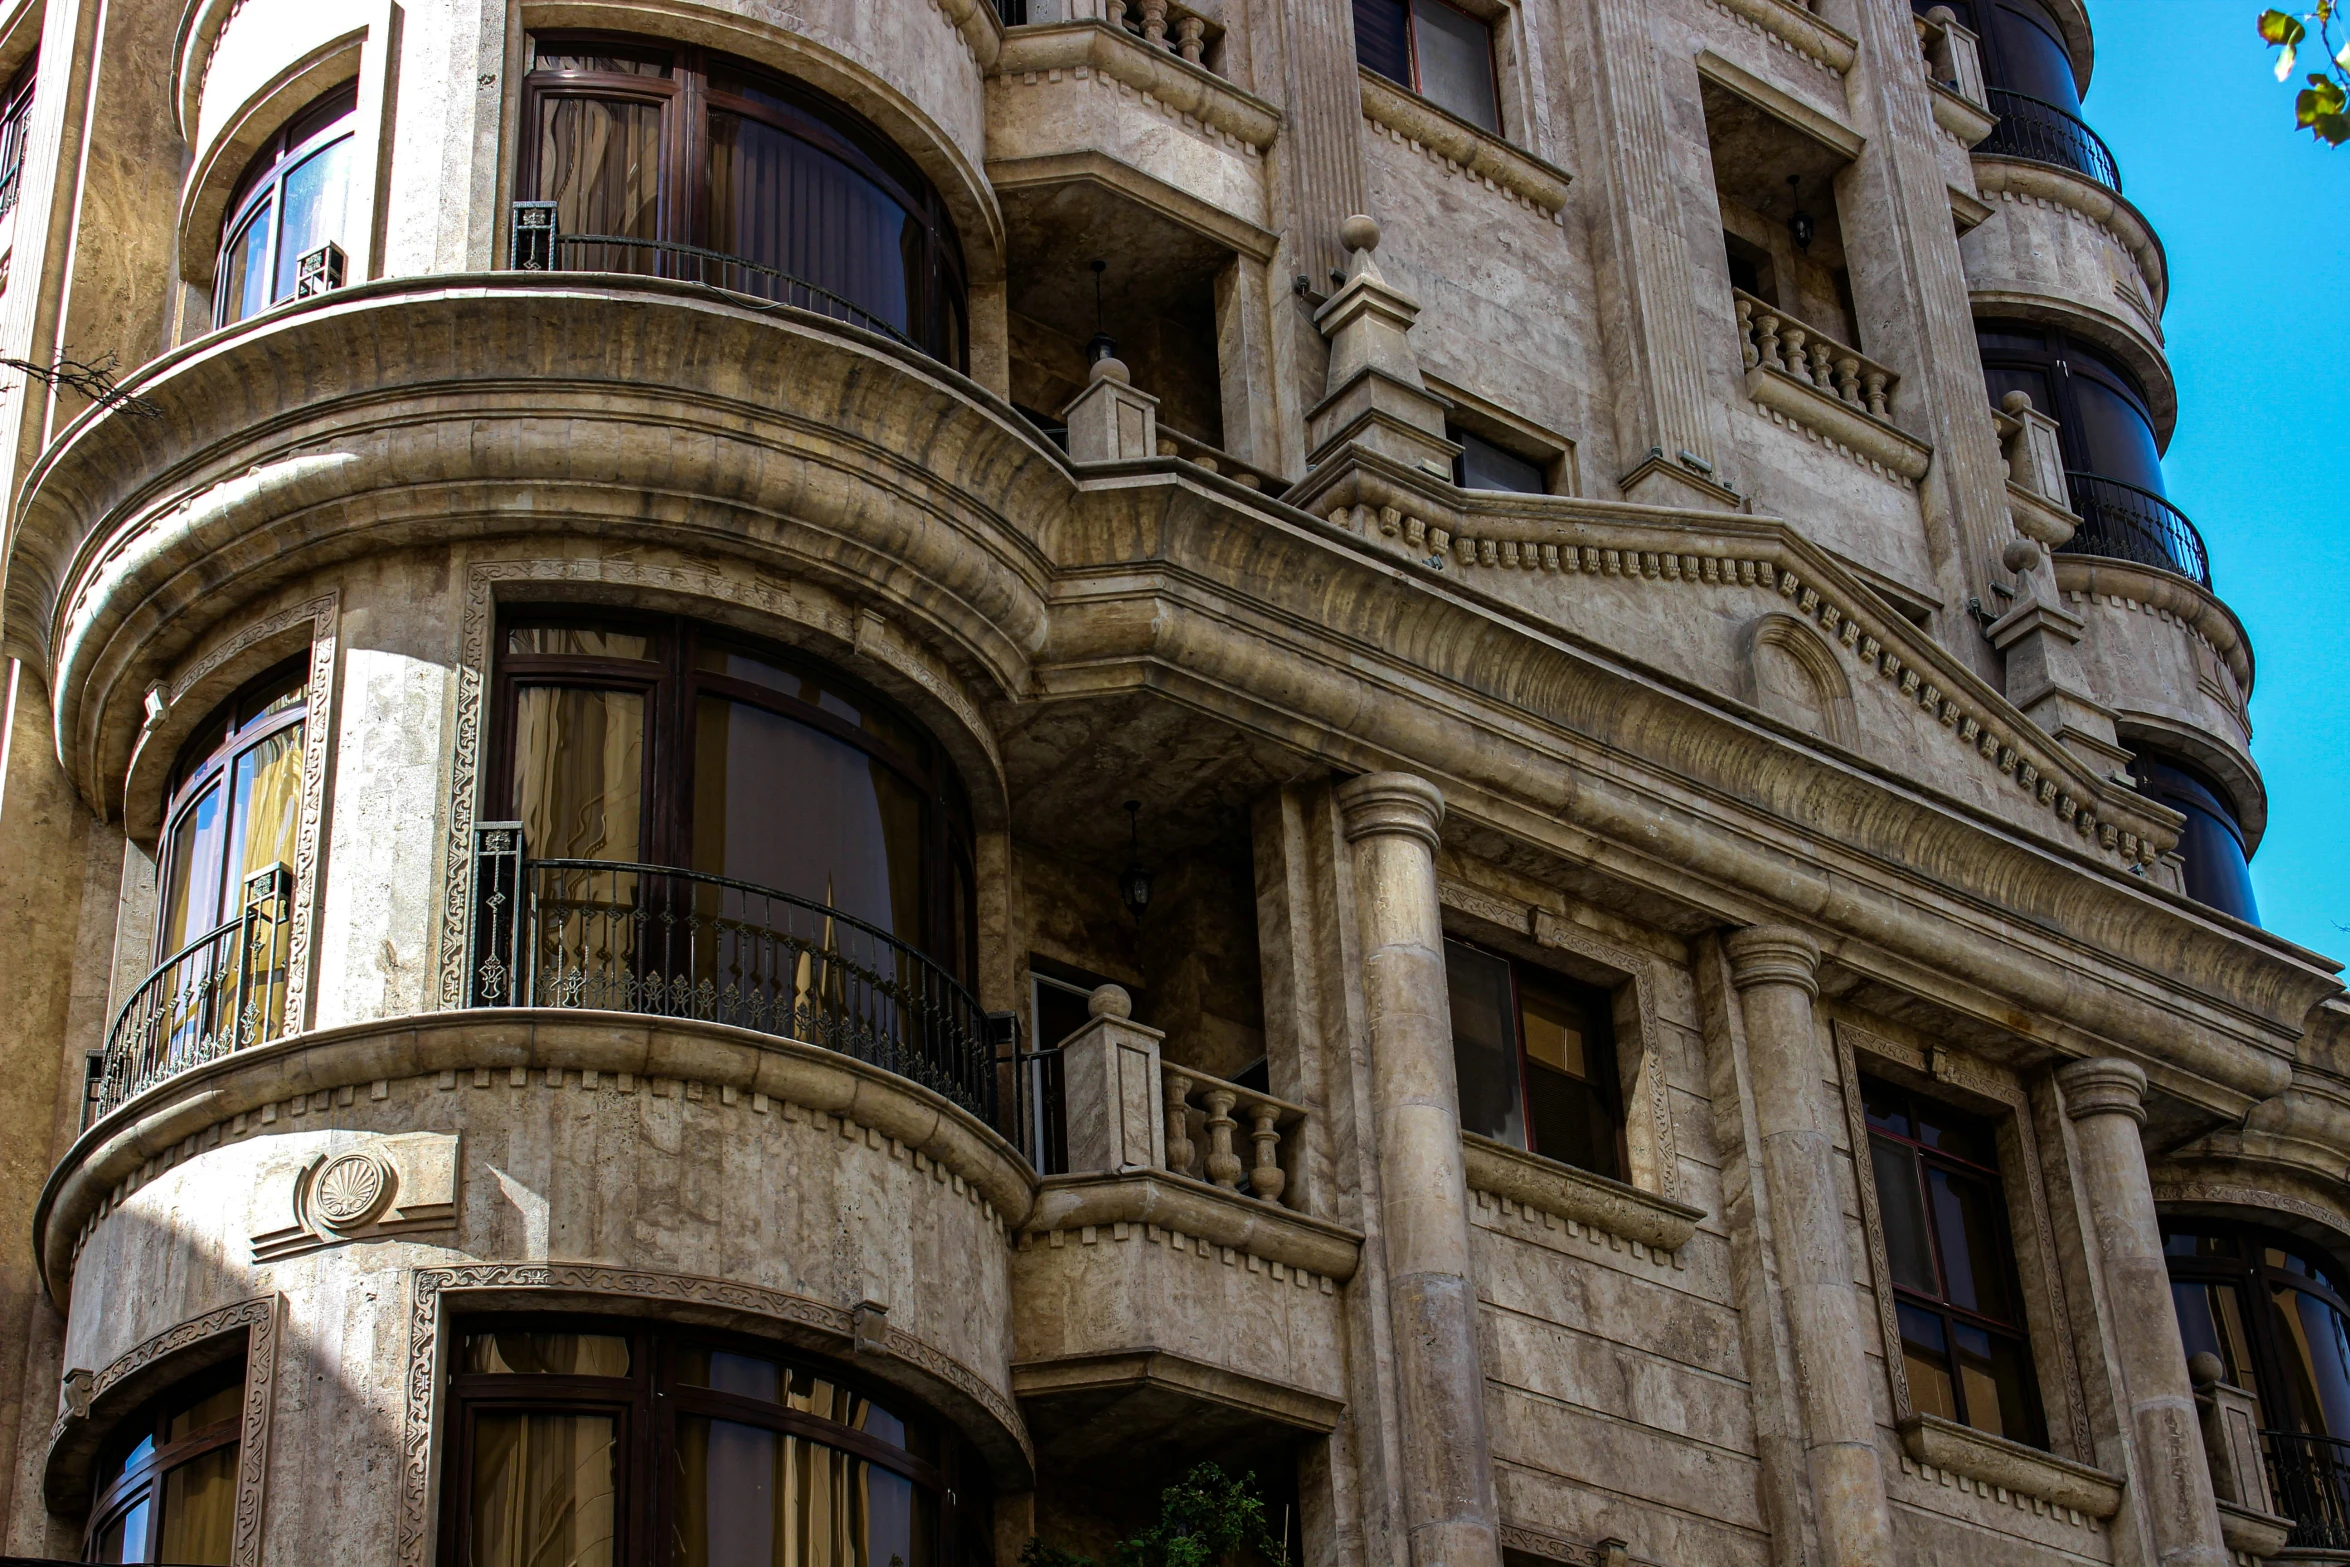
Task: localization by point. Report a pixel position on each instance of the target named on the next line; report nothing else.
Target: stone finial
(1111, 368)
(1773, 955)
(2015, 403)
(1110, 1001)
(2205, 1369)
(2106, 1086)
(1391, 803)
(2020, 556)
(1359, 232)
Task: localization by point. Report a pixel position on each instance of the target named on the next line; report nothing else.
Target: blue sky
(2255, 216)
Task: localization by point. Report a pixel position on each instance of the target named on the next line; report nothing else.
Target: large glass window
(167, 1479)
(677, 162)
(2273, 1309)
(2218, 868)
(2022, 47)
(660, 742)
(1437, 50)
(589, 1445)
(2107, 428)
(1536, 1061)
(1956, 1294)
(291, 200)
(235, 805)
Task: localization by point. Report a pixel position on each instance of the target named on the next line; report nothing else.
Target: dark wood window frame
(669, 683)
(1992, 1179)
(331, 117)
(685, 95)
(1604, 1070)
(144, 1478)
(645, 1405)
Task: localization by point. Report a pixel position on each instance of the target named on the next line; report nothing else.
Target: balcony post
(1775, 970)
(1112, 420)
(2105, 1100)
(1110, 1089)
(1449, 1509)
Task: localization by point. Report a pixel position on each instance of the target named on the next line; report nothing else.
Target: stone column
(1449, 1511)
(2106, 1100)
(1776, 972)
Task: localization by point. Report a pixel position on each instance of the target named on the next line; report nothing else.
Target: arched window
(167, 1480)
(2273, 1309)
(592, 1444)
(2218, 868)
(677, 162)
(235, 806)
(290, 201)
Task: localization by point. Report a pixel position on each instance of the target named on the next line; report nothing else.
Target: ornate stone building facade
(816, 784)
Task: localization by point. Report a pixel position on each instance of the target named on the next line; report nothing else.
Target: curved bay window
(167, 1480)
(723, 830)
(678, 162)
(2218, 867)
(290, 201)
(590, 1445)
(1536, 1060)
(226, 884)
(2275, 1311)
(1957, 1298)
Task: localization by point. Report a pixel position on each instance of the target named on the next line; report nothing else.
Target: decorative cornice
(2107, 1086)
(1561, 1190)
(1083, 48)
(1480, 154)
(1424, 520)
(1860, 435)
(2194, 607)
(1796, 28)
(1969, 122)
(1165, 1372)
(1187, 1211)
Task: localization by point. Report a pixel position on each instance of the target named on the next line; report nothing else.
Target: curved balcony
(2310, 1478)
(2123, 522)
(662, 942)
(2039, 132)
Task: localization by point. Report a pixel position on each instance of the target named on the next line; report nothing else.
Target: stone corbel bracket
(1159, 76)
(2037, 517)
(2023, 1475)
(1392, 506)
(1611, 1207)
(982, 29)
(1479, 154)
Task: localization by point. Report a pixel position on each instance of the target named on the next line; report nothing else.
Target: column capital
(1773, 955)
(1402, 803)
(2105, 1086)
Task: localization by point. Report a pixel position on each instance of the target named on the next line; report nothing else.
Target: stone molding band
(1401, 803)
(2106, 1086)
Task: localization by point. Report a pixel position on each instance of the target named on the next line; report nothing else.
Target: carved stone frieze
(375, 1186)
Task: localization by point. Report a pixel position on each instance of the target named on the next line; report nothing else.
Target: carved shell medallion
(350, 1190)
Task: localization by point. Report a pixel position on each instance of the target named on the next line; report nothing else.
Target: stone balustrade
(1174, 443)
(1774, 338)
(1177, 29)
(1206, 1117)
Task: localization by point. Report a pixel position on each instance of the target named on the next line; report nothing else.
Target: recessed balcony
(2037, 131)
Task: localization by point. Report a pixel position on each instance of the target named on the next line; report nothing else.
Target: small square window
(1535, 1060)
(1437, 50)
(1484, 466)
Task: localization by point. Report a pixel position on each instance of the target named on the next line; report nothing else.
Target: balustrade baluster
(1821, 354)
(1190, 33)
(1223, 1164)
(1178, 1123)
(1875, 385)
(1154, 23)
(1791, 340)
(1746, 332)
(1265, 1177)
(1848, 380)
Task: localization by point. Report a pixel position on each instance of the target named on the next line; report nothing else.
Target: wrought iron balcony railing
(537, 244)
(2309, 1478)
(2039, 132)
(224, 991)
(664, 942)
(2120, 521)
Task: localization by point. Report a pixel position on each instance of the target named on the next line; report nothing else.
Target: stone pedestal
(1449, 1508)
(1110, 1096)
(1375, 398)
(1775, 970)
(2106, 1101)
(1110, 421)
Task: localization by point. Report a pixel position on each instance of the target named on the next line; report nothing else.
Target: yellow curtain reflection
(751, 1497)
(579, 772)
(199, 1510)
(543, 1490)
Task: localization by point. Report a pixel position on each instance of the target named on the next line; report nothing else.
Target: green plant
(1204, 1519)
(2323, 107)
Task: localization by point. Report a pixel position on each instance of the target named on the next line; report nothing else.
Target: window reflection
(292, 198)
(167, 1477)
(1534, 1056)
(2270, 1306)
(235, 807)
